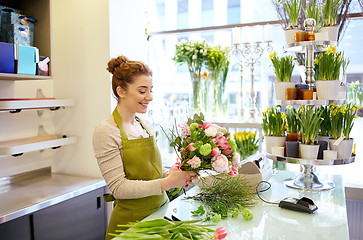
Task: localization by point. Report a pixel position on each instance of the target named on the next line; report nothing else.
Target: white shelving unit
(20, 146)
(16, 77)
(14, 106)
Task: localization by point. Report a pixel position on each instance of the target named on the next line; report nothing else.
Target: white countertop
(272, 222)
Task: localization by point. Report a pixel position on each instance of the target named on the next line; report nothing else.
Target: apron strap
(108, 197)
(143, 125)
(118, 120)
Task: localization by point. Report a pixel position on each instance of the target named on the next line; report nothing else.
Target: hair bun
(116, 62)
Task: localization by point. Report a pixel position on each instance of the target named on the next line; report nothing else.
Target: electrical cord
(264, 190)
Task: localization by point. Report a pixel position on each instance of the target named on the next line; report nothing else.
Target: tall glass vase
(196, 93)
(220, 96)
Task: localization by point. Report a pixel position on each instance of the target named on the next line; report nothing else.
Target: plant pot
(327, 90)
(292, 149)
(274, 141)
(323, 145)
(321, 36)
(344, 148)
(307, 94)
(280, 89)
(291, 93)
(292, 136)
(342, 92)
(309, 151)
(324, 138)
(330, 32)
(290, 35)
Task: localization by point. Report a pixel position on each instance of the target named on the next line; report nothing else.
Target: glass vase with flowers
(194, 54)
(217, 64)
(247, 143)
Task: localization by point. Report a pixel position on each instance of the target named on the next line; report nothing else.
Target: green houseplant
(310, 119)
(292, 124)
(283, 67)
(273, 126)
(327, 68)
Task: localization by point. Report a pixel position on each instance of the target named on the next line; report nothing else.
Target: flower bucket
(344, 148)
(330, 32)
(309, 151)
(280, 89)
(290, 35)
(274, 141)
(327, 90)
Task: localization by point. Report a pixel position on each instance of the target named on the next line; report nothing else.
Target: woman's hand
(177, 179)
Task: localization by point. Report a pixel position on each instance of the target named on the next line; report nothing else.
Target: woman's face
(138, 94)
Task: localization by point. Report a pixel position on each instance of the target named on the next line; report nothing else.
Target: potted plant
(247, 143)
(329, 19)
(283, 67)
(327, 68)
(344, 148)
(310, 120)
(273, 126)
(293, 10)
(194, 54)
(292, 135)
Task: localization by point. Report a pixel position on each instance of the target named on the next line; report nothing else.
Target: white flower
(211, 131)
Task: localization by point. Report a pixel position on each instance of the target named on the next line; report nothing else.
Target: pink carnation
(194, 162)
(220, 163)
(185, 130)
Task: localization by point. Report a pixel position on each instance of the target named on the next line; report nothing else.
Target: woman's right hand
(178, 178)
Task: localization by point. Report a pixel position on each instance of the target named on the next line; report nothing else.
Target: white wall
(80, 49)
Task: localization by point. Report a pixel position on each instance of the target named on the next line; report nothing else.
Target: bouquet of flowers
(203, 145)
(247, 143)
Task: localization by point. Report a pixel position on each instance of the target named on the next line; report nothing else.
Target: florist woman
(126, 151)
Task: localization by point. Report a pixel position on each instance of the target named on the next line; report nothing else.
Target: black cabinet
(19, 228)
(83, 218)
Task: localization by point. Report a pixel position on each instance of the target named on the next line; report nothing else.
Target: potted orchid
(283, 67)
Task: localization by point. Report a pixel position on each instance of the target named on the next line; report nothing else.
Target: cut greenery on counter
(163, 229)
(220, 211)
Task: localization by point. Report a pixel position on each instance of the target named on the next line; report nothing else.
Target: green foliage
(310, 119)
(292, 8)
(247, 143)
(292, 121)
(330, 12)
(355, 93)
(283, 67)
(326, 125)
(349, 112)
(327, 65)
(273, 123)
(313, 10)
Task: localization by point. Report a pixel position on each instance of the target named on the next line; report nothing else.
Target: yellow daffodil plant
(283, 67)
(327, 65)
(273, 121)
(310, 119)
(349, 112)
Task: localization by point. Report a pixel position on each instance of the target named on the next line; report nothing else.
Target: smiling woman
(126, 151)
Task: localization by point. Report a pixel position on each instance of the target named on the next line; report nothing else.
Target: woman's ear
(120, 92)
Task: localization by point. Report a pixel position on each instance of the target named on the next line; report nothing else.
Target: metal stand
(308, 180)
(250, 55)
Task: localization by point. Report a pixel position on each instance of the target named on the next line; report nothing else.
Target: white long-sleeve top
(107, 145)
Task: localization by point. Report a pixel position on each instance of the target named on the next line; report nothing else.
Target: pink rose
(228, 150)
(191, 148)
(194, 162)
(233, 172)
(220, 233)
(215, 151)
(206, 125)
(221, 141)
(220, 163)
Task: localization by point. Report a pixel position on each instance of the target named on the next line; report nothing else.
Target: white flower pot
(321, 36)
(280, 89)
(309, 151)
(327, 90)
(290, 35)
(330, 32)
(344, 148)
(274, 141)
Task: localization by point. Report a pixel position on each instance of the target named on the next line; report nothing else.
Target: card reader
(303, 204)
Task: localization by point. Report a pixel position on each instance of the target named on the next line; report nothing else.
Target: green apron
(141, 160)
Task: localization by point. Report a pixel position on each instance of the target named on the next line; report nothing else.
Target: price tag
(338, 141)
